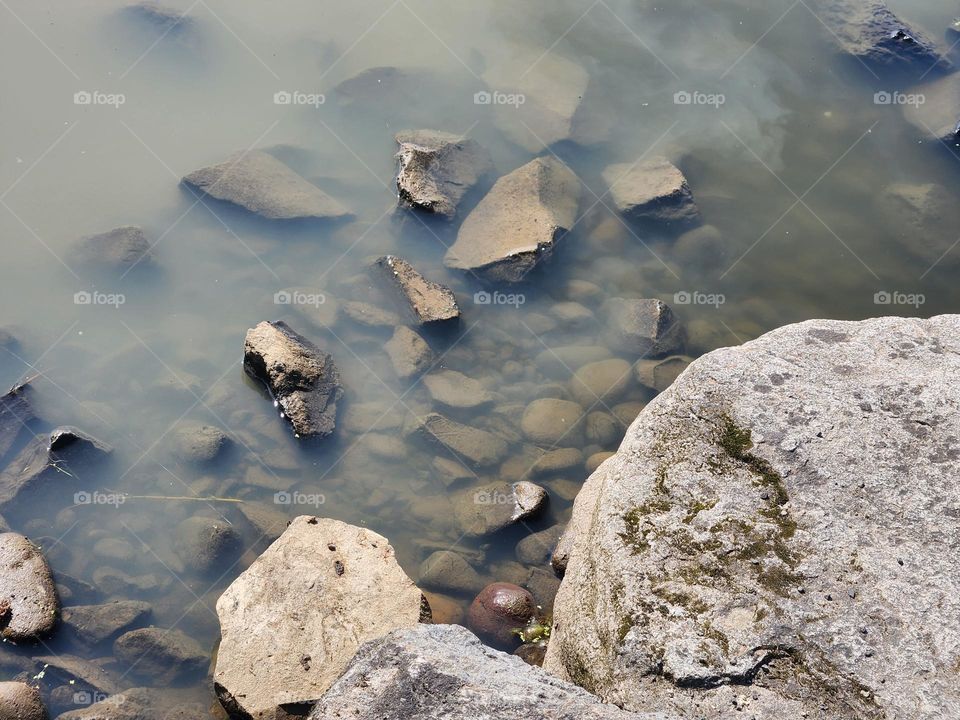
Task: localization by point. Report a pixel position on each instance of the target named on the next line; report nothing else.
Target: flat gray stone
(471, 445)
(261, 184)
(97, 624)
(778, 534)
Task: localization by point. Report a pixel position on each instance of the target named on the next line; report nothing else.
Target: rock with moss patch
(783, 518)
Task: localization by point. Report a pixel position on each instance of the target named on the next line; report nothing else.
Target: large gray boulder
(518, 222)
(443, 672)
(261, 184)
(302, 379)
(437, 169)
(778, 534)
(869, 32)
(293, 620)
(29, 606)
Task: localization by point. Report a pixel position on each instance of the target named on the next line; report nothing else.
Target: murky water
(788, 161)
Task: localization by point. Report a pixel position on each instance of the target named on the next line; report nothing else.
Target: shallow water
(789, 169)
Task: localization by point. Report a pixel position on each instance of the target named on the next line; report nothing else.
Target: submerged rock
(660, 374)
(778, 525)
(159, 17)
(553, 422)
(443, 672)
(472, 445)
(494, 507)
(868, 31)
(120, 248)
(51, 468)
(499, 612)
(642, 327)
(937, 117)
(923, 217)
(258, 182)
(518, 223)
(447, 571)
(19, 701)
(29, 606)
(15, 412)
(206, 545)
(652, 190)
(97, 624)
(538, 93)
(302, 379)
(430, 303)
(161, 656)
(293, 620)
(140, 704)
(437, 169)
(197, 443)
(453, 389)
(409, 353)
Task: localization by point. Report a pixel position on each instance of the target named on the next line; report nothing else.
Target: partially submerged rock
(443, 672)
(19, 701)
(471, 445)
(651, 190)
(871, 33)
(429, 302)
(645, 328)
(518, 223)
(498, 612)
(778, 530)
(258, 182)
(52, 467)
(409, 353)
(97, 624)
(29, 606)
(494, 507)
(121, 248)
(293, 620)
(437, 169)
(303, 380)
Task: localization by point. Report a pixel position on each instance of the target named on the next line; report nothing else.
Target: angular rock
(302, 379)
(206, 545)
(494, 507)
(437, 169)
(19, 701)
(871, 33)
(469, 444)
(28, 597)
(139, 704)
(293, 620)
(779, 526)
(518, 223)
(76, 672)
(120, 248)
(443, 672)
(455, 390)
(97, 624)
(642, 328)
(547, 88)
(652, 190)
(409, 353)
(161, 656)
(268, 522)
(553, 422)
(447, 571)
(15, 413)
(51, 468)
(261, 184)
(660, 374)
(430, 303)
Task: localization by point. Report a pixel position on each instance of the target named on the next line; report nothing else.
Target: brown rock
(498, 611)
(430, 302)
